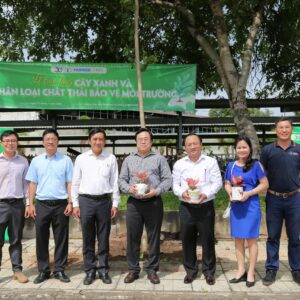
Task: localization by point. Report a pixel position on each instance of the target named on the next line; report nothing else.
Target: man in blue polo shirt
(282, 162)
(50, 175)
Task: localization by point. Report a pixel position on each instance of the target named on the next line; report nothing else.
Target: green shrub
(171, 202)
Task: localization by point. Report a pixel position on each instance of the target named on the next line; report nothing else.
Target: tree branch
(200, 39)
(249, 45)
(224, 49)
(165, 3)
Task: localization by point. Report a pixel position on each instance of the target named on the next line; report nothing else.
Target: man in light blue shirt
(50, 175)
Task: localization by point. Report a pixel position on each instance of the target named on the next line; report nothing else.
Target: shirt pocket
(104, 170)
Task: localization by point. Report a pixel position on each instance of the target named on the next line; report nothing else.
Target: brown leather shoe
(131, 277)
(210, 279)
(153, 277)
(188, 279)
(20, 277)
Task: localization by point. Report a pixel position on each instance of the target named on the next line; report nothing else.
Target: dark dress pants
(47, 215)
(277, 210)
(95, 217)
(150, 214)
(196, 219)
(12, 217)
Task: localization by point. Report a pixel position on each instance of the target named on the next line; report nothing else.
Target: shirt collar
(56, 154)
(292, 145)
(202, 157)
(15, 156)
(150, 153)
(91, 153)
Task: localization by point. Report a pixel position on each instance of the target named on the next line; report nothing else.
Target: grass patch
(172, 203)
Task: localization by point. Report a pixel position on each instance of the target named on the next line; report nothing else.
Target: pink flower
(141, 176)
(192, 183)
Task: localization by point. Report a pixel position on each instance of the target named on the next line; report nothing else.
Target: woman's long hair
(250, 161)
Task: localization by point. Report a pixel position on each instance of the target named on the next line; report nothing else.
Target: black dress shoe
(61, 276)
(41, 277)
(210, 279)
(296, 276)
(105, 278)
(270, 277)
(153, 277)
(188, 279)
(131, 277)
(250, 283)
(89, 278)
(237, 280)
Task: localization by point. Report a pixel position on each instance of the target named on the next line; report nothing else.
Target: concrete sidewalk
(171, 274)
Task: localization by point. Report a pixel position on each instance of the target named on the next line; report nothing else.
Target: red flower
(141, 176)
(237, 181)
(192, 183)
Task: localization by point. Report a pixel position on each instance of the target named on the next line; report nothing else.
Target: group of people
(54, 190)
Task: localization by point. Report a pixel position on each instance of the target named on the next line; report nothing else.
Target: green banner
(296, 135)
(96, 86)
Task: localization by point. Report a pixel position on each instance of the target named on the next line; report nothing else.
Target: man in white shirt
(198, 216)
(94, 185)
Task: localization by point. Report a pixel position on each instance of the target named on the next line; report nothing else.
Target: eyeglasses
(9, 141)
(140, 140)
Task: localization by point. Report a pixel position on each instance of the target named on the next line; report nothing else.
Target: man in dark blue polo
(282, 162)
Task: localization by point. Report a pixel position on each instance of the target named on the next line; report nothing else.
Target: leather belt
(200, 205)
(10, 200)
(53, 202)
(96, 197)
(284, 195)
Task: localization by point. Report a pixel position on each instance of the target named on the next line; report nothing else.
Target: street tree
(237, 45)
(231, 34)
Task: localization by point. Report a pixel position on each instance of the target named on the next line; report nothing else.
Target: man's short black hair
(282, 119)
(195, 134)
(143, 130)
(93, 131)
(8, 133)
(50, 130)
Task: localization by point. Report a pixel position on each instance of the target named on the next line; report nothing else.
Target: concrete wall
(170, 224)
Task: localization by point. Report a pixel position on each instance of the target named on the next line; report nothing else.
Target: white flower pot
(141, 188)
(237, 193)
(194, 195)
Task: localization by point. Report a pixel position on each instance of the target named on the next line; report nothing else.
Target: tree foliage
(102, 31)
(227, 39)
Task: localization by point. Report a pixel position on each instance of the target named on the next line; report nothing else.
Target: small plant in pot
(141, 185)
(237, 188)
(193, 190)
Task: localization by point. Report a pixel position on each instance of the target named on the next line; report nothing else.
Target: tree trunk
(137, 63)
(234, 81)
(242, 120)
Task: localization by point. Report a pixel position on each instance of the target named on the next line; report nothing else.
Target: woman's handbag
(226, 213)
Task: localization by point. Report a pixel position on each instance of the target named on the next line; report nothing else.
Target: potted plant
(193, 190)
(237, 188)
(141, 185)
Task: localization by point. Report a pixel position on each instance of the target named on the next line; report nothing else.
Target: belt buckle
(285, 195)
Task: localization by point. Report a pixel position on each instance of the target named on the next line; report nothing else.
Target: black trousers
(95, 217)
(194, 219)
(150, 214)
(12, 217)
(51, 212)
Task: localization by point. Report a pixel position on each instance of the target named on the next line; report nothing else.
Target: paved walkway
(171, 274)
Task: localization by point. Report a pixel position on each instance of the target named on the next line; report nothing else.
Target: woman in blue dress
(245, 213)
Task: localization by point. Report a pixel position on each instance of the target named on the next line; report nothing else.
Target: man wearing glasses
(13, 189)
(144, 208)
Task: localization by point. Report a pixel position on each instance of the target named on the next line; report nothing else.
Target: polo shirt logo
(294, 153)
